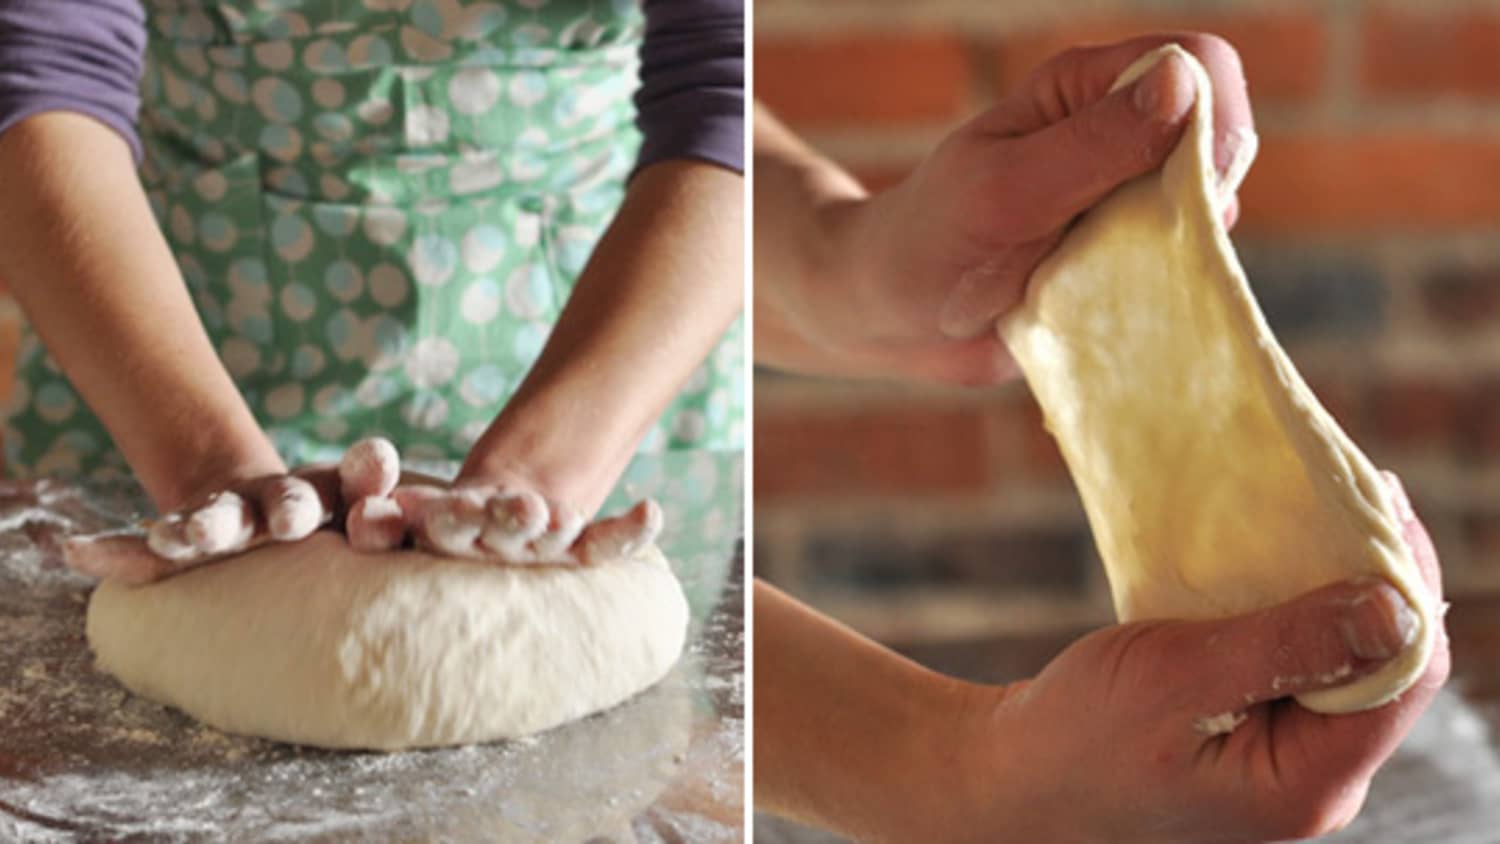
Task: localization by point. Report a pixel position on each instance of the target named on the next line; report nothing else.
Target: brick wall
(1370, 230)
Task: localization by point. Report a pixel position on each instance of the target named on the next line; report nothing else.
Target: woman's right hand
(241, 514)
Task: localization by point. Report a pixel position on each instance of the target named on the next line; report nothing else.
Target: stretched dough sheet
(1213, 480)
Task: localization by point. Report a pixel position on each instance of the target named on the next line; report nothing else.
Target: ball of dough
(314, 643)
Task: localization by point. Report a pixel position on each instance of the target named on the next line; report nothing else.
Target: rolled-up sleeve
(691, 103)
(72, 55)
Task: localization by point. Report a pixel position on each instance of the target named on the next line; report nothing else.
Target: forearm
(84, 257)
(808, 212)
(660, 289)
(848, 734)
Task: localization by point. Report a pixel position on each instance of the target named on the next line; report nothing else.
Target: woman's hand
(497, 510)
(243, 513)
(509, 522)
(496, 516)
(1183, 731)
(379, 508)
(910, 282)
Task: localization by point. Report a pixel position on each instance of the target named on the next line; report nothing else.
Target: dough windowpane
(1214, 481)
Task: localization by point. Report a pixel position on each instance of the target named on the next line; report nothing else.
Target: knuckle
(1066, 58)
(1129, 657)
(1092, 129)
(1302, 645)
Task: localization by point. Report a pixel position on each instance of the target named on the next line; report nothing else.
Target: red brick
(1331, 182)
(1479, 421)
(1411, 413)
(900, 451)
(1465, 299)
(1481, 532)
(1410, 53)
(871, 79)
(1022, 448)
(1285, 55)
(1043, 458)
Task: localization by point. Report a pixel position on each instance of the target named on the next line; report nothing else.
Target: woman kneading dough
(435, 223)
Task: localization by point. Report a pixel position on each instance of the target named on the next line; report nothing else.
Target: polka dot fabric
(379, 208)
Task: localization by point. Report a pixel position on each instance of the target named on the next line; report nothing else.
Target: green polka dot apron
(379, 208)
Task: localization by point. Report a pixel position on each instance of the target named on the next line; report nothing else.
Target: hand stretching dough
(317, 644)
(1214, 481)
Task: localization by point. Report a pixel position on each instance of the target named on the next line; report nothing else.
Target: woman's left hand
(503, 512)
(509, 522)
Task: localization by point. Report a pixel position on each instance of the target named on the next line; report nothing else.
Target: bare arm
(663, 283)
(848, 734)
(658, 292)
(662, 286)
(803, 204)
(88, 264)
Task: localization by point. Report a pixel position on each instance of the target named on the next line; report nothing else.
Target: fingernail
(1166, 92)
(651, 519)
(1379, 623)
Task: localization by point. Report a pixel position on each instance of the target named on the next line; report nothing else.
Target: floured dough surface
(1214, 482)
(316, 644)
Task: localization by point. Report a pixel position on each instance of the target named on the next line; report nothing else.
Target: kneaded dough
(1214, 482)
(317, 644)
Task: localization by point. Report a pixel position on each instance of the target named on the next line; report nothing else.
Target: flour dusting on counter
(80, 757)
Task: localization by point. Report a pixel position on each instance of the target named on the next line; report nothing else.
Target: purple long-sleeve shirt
(691, 103)
(86, 56)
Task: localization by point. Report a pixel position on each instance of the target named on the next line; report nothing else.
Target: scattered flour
(80, 757)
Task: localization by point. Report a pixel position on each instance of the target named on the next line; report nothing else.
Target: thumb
(123, 558)
(1076, 161)
(1325, 638)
